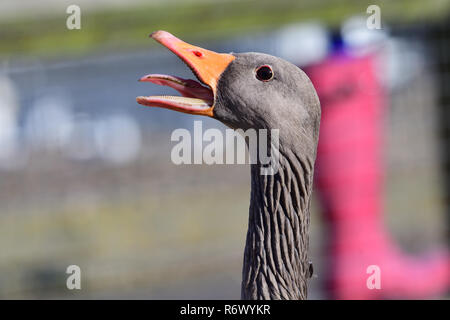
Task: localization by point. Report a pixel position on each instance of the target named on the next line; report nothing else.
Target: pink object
(349, 178)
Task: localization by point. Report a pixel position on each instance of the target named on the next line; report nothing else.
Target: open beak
(197, 96)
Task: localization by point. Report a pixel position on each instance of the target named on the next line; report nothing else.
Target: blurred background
(85, 172)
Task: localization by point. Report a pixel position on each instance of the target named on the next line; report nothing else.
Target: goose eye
(264, 73)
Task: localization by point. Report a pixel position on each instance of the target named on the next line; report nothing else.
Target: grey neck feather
(275, 258)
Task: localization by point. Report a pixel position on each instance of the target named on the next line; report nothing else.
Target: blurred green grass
(160, 232)
(126, 29)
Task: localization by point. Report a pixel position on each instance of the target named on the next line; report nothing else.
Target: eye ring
(264, 73)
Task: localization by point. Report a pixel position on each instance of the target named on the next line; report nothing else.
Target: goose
(258, 91)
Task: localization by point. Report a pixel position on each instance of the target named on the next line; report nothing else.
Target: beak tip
(141, 100)
(160, 34)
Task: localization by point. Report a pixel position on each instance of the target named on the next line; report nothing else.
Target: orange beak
(207, 66)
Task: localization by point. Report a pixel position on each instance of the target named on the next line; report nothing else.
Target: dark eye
(264, 73)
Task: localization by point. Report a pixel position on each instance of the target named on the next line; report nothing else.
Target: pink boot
(349, 177)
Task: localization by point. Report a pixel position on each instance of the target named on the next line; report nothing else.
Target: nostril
(198, 53)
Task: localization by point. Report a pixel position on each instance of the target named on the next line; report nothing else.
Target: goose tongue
(205, 64)
(187, 87)
(195, 97)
